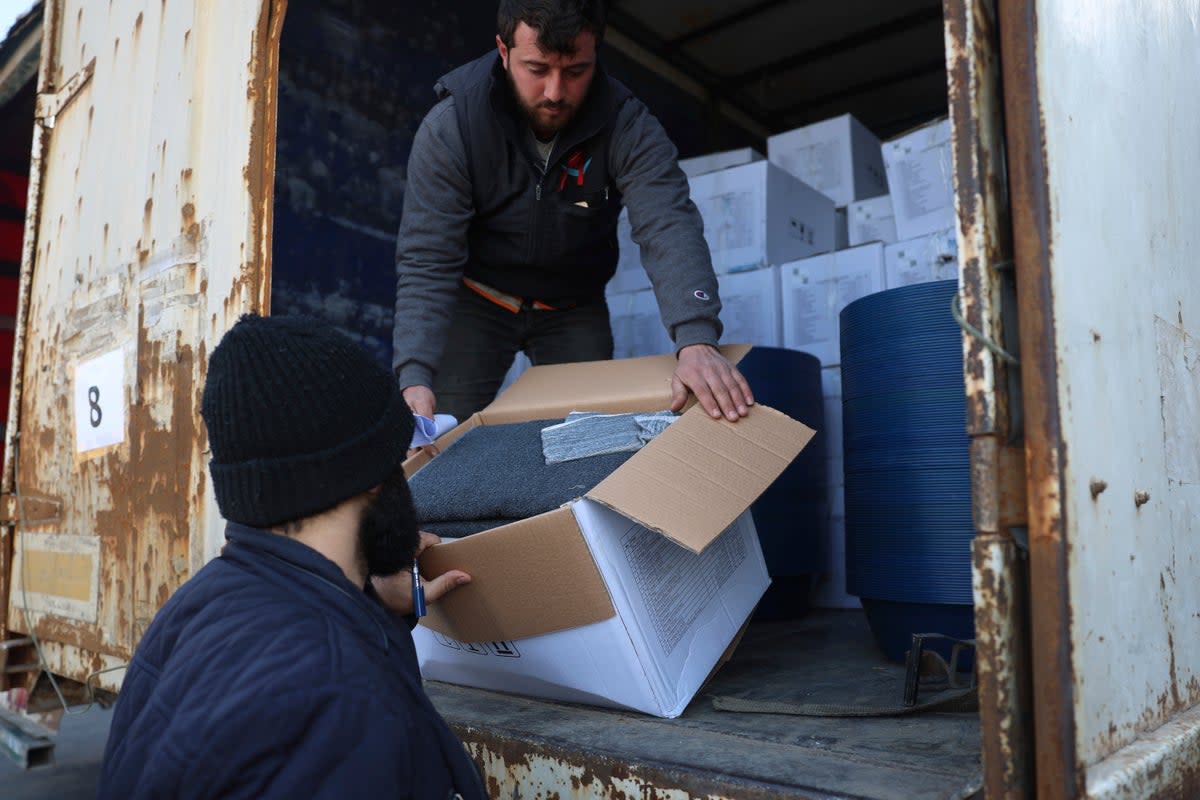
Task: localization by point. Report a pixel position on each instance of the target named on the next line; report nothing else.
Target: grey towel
(586, 434)
(497, 472)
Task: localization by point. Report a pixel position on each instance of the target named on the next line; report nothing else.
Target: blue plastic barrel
(907, 462)
(790, 514)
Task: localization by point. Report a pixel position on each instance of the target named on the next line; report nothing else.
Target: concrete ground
(78, 750)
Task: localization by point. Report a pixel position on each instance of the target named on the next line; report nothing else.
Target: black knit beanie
(299, 419)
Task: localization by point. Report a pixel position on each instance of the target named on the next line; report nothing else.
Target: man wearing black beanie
(277, 670)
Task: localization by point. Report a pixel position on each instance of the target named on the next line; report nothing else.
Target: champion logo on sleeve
(700, 294)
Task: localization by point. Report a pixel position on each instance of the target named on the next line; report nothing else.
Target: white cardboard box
(871, 220)
(630, 275)
(757, 215)
(676, 611)
(629, 596)
(933, 257)
(712, 162)
(815, 290)
(637, 325)
(919, 173)
(750, 307)
(841, 229)
(837, 156)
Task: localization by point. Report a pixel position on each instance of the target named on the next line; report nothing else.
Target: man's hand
(421, 400)
(396, 590)
(717, 384)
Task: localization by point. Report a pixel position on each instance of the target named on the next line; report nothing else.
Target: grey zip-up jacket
(479, 204)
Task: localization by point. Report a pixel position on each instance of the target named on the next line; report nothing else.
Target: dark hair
(557, 22)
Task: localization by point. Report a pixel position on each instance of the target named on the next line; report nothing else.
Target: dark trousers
(484, 338)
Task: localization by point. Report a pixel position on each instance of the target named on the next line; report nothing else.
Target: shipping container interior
(356, 78)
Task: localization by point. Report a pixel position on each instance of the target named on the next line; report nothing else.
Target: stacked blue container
(907, 463)
(790, 514)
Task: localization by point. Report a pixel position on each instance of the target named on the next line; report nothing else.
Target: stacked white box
(637, 326)
(837, 156)
(933, 257)
(815, 290)
(922, 186)
(831, 590)
(751, 310)
(841, 229)
(871, 220)
(630, 276)
(712, 162)
(757, 215)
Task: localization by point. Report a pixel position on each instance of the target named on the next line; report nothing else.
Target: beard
(542, 130)
(387, 533)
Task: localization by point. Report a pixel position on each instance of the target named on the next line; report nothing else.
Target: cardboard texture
(592, 602)
(700, 473)
(815, 290)
(921, 182)
(872, 220)
(635, 384)
(512, 569)
(838, 156)
(758, 215)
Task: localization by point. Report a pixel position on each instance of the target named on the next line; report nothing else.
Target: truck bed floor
(542, 749)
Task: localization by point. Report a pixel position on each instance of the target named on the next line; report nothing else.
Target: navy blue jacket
(269, 674)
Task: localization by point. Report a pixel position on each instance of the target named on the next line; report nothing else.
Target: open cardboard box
(630, 595)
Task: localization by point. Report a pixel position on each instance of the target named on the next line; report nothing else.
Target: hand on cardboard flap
(396, 590)
(421, 400)
(717, 384)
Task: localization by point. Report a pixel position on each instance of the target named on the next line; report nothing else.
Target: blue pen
(418, 591)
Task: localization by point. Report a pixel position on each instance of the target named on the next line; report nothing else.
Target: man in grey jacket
(508, 234)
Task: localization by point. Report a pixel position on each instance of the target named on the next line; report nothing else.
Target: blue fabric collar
(285, 558)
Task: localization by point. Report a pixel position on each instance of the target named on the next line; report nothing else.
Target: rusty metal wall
(1103, 123)
(152, 237)
(998, 475)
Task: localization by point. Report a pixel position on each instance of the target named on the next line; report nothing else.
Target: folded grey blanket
(498, 473)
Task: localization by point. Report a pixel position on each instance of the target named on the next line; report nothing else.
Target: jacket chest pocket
(582, 228)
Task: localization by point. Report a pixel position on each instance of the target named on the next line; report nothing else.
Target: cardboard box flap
(693, 480)
(533, 577)
(623, 385)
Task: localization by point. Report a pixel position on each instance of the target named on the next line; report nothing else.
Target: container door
(986, 307)
(1102, 101)
(149, 234)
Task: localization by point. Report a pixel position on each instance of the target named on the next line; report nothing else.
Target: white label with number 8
(100, 401)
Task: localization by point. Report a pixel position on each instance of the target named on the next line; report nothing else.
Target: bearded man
(280, 670)
(508, 233)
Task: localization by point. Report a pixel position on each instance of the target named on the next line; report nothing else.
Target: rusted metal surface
(981, 203)
(151, 239)
(1105, 221)
(1164, 763)
(524, 770)
(997, 460)
(50, 25)
(1058, 770)
(1002, 666)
